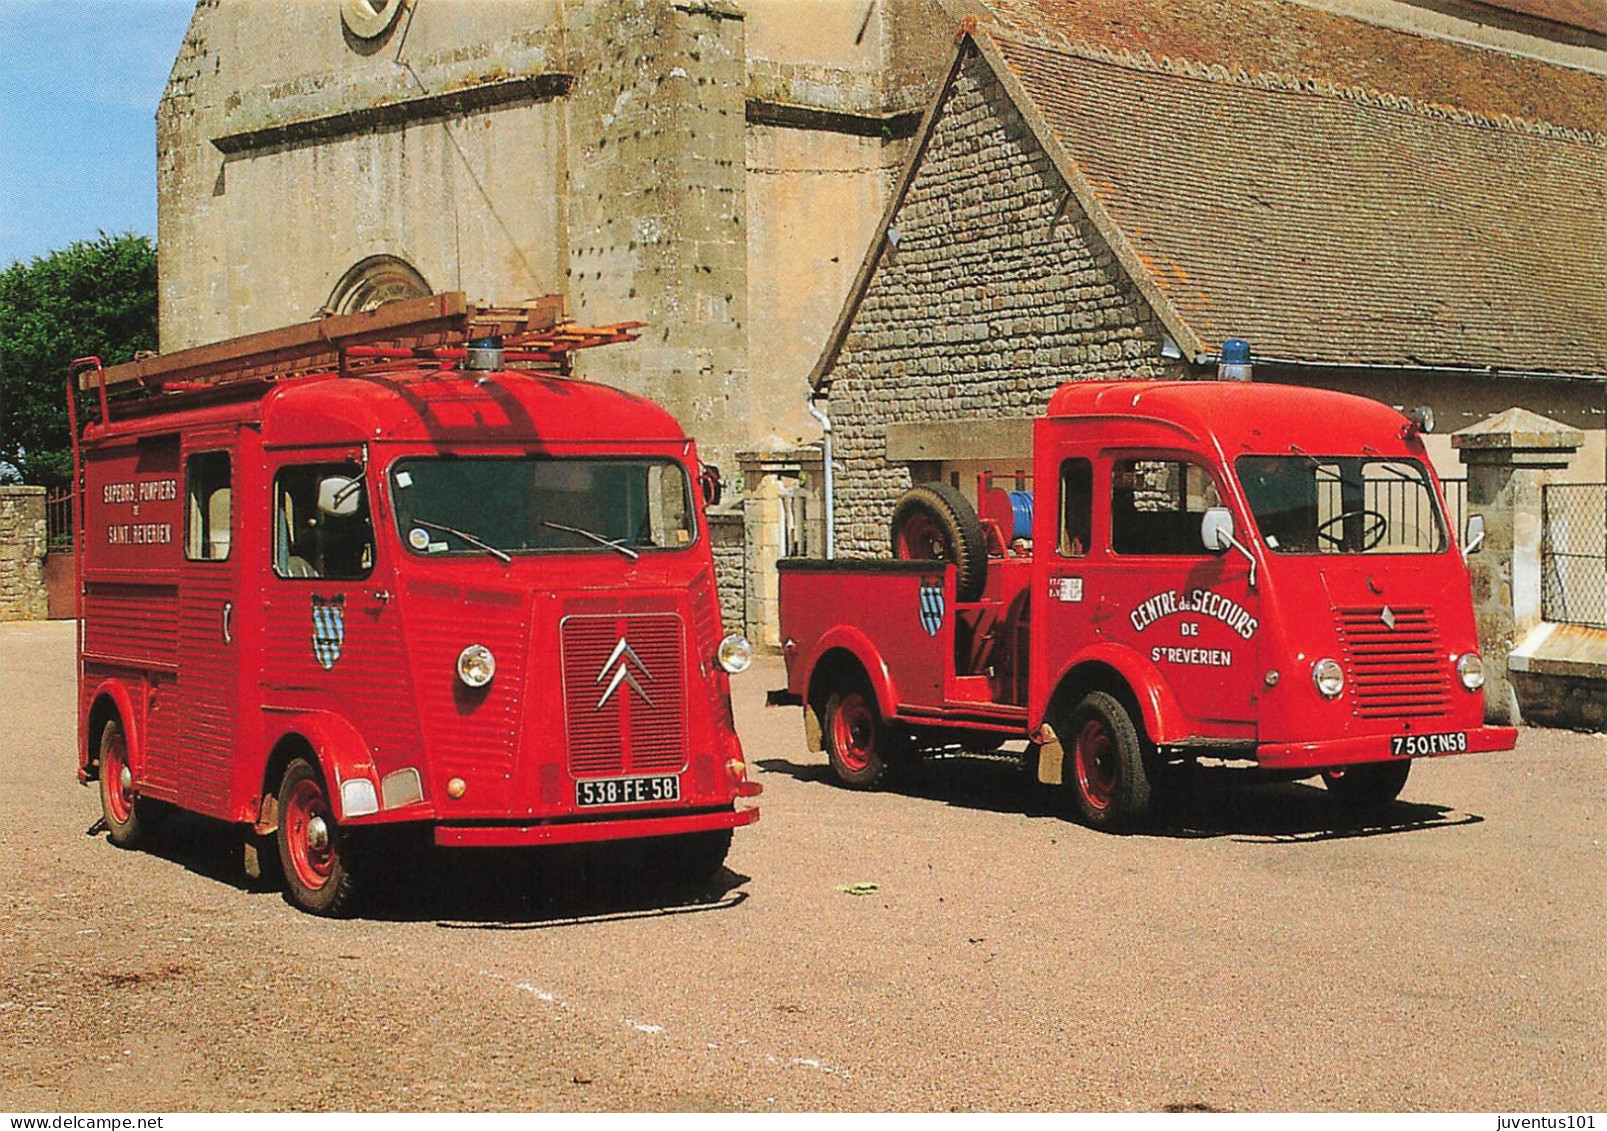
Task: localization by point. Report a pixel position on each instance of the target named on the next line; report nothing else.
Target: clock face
(370, 19)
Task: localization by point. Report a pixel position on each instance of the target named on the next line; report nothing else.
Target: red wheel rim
(922, 538)
(853, 732)
(1096, 763)
(119, 797)
(308, 831)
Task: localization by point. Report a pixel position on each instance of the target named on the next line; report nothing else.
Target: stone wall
(992, 289)
(22, 554)
(730, 565)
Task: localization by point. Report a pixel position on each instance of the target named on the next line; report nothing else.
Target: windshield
(501, 507)
(1342, 504)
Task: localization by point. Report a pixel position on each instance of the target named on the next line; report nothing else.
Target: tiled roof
(1326, 219)
(1304, 43)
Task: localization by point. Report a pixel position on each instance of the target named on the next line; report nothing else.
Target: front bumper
(1371, 748)
(582, 831)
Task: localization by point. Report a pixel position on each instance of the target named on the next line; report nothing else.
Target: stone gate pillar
(1509, 457)
(22, 554)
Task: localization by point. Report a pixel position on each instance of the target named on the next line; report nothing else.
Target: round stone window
(374, 281)
(369, 19)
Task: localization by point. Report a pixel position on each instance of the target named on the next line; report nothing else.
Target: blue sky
(79, 86)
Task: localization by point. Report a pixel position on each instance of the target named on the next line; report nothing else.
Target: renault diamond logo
(1387, 616)
(617, 670)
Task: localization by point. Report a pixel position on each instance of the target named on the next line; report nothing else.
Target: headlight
(476, 665)
(1471, 670)
(735, 653)
(1328, 677)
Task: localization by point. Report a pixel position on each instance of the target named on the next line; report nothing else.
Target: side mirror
(340, 496)
(712, 486)
(1473, 538)
(1216, 529)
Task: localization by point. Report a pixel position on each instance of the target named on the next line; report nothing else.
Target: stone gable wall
(998, 289)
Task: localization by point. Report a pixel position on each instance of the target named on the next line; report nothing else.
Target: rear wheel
(856, 738)
(122, 810)
(314, 851)
(1106, 763)
(1372, 785)
(933, 521)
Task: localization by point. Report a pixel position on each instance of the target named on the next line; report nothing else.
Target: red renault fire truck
(1221, 571)
(398, 567)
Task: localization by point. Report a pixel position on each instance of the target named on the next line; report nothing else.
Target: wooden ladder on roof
(536, 334)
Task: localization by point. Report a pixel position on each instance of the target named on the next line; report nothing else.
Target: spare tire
(933, 521)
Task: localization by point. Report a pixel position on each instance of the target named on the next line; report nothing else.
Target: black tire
(857, 739)
(933, 521)
(123, 811)
(691, 858)
(1372, 785)
(1104, 763)
(314, 851)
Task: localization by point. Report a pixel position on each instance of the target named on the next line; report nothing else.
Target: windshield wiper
(469, 538)
(597, 538)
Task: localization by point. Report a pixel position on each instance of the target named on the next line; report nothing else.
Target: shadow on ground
(409, 880)
(1207, 802)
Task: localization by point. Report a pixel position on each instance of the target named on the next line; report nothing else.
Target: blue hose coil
(1021, 507)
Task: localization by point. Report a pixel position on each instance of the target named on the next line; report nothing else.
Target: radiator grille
(1394, 672)
(624, 698)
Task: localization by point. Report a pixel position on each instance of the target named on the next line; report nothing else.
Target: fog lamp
(1470, 669)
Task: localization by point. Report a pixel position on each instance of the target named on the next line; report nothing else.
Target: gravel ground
(1243, 955)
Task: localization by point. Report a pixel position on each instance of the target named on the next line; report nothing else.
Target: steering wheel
(1374, 526)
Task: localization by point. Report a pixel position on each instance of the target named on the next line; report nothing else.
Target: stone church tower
(713, 170)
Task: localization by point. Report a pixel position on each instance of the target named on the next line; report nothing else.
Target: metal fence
(1456, 505)
(1573, 553)
(802, 522)
(59, 521)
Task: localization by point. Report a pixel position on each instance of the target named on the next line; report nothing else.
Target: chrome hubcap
(317, 834)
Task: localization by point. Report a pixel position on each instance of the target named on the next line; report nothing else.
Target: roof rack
(536, 334)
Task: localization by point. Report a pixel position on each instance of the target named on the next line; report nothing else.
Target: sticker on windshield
(404, 479)
(418, 538)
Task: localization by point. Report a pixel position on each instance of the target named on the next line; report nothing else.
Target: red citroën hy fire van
(399, 567)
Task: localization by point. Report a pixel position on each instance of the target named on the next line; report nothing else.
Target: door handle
(228, 612)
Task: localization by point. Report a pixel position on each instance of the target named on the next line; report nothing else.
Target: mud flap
(1051, 756)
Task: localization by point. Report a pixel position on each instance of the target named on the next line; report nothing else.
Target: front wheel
(1371, 785)
(1107, 763)
(313, 849)
(691, 858)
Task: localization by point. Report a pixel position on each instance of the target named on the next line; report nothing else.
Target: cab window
(322, 527)
(1076, 507)
(207, 508)
(1156, 506)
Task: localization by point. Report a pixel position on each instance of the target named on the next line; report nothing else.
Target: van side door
(332, 637)
(209, 629)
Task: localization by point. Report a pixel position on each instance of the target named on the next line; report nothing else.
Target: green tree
(96, 298)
